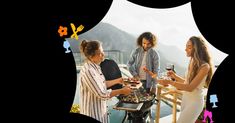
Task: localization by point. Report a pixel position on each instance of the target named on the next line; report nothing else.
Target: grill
(137, 105)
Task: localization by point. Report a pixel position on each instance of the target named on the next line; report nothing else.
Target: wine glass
(163, 75)
(66, 45)
(170, 67)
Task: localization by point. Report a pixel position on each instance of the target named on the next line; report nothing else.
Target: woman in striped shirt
(93, 87)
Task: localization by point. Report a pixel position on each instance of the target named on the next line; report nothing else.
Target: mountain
(113, 38)
(173, 54)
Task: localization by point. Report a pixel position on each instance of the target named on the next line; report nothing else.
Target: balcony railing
(116, 55)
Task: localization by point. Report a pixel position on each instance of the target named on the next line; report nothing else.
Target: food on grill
(137, 96)
(133, 85)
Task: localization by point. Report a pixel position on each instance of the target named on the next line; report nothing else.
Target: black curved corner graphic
(214, 23)
(160, 3)
(219, 89)
(86, 14)
(61, 65)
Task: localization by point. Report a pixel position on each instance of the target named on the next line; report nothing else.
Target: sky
(173, 26)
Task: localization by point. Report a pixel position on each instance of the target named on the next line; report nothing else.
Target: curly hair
(148, 36)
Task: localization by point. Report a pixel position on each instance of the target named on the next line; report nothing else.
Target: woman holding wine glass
(198, 74)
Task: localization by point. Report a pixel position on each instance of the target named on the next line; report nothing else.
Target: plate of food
(132, 83)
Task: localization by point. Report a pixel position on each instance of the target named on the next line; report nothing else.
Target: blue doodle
(213, 99)
(66, 45)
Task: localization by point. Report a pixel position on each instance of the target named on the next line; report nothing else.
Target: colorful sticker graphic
(79, 29)
(62, 31)
(66, 45)
(213, 99)
(207, 114)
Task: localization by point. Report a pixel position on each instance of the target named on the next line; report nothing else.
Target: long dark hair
(200, 55)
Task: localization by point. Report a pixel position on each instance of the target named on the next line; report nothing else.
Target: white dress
(192, 104)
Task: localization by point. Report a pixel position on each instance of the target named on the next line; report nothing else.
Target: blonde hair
(200, 55)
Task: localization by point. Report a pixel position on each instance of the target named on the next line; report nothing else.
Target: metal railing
(116, 55)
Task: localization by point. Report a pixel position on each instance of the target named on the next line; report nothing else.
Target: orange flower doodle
(62, 31)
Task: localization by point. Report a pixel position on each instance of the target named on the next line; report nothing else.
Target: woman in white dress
(199, 73)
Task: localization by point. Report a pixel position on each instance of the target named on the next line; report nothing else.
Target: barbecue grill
(137, 105)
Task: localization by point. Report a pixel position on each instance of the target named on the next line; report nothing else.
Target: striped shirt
(93, 92)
